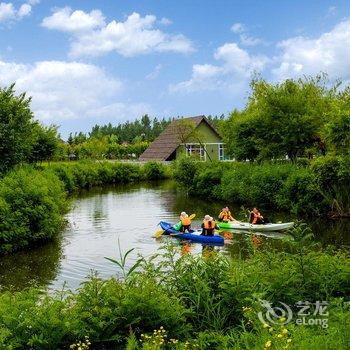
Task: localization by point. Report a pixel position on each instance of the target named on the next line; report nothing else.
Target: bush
(315, 190)
(206, 302)
(33, 201)
(31, 208)
(154, 171)
(185, 169)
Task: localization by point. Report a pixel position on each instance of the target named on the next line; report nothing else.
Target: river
(103, 219)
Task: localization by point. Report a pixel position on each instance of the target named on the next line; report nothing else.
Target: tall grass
(198, 302)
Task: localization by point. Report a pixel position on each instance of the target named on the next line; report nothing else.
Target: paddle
(160, 232)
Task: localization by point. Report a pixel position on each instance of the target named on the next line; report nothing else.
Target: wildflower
(268, 344)
(282, 319)
(289, 340)
(284, 331)
(279, 335)
(266, 325)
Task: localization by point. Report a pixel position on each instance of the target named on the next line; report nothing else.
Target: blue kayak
(194, 236)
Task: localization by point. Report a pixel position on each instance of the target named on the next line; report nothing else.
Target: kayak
(246, 226)
(193, 236)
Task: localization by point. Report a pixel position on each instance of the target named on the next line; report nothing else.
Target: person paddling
(208, 226)
(185, 222)
(256, 218)
(225, 215)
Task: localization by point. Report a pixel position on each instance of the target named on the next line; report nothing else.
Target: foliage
(16, 128)
(33, 201)
(144, 129)
(191, 302)
(154, 171)
(46, 143)
(292, 118)
(317, 189)
(31, 208)
(185, 169)
(106, 147)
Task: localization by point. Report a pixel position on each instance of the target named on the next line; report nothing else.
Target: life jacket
(209, 224)
(185, 221)
(256, 217)
(225, 215)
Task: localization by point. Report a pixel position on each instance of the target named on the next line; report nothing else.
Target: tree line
(303, 117)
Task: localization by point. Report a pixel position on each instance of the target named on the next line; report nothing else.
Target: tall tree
(16, 128)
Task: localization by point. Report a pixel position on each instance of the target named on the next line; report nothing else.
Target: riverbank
(33, 200)
(317, 188)
(201, 302)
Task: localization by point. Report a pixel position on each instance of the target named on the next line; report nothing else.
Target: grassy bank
(33, 200)
(198, 302)
(319, 187)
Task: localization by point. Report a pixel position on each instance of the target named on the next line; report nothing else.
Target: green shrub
(185, 169)
(206, 183)
(154, 171)
(33, 201)
(31, 208)
(206, 302)
(301, 195)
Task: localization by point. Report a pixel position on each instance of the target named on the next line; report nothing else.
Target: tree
(17, 128)
(45, 144)
(280, 119)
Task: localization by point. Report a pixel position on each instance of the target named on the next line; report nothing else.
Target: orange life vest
(209, 224)
(185, 221)
(256, 217)
(225, 215)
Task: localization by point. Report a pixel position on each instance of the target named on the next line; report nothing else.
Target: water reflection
(131, 213)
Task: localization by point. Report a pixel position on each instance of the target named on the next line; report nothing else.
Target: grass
(189, 302)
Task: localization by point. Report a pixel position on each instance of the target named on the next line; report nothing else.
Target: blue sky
(88, 62)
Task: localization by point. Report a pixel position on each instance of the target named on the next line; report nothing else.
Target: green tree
(17, 128)
(280, 119)
(45, 144)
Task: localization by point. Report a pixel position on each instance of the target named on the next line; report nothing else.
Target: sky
(94, 62)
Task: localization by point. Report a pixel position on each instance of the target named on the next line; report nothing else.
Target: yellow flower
(266, 325)
(282, 319)
(284, 331)
(289, 340)
(279, 335)
(268, 344)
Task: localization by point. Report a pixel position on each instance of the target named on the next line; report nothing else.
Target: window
(196, 150)
(221, 152)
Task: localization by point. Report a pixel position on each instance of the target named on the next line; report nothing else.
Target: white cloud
(155, 73)
(24, 10)
(238, 28)
(236, 67)
(248, 40)
(8, 12)
(330, 53)
(69, 90)
(245, 39)
(165, 21)
(67, 20)
(136, 35)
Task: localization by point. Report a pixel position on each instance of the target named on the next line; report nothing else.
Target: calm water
(129, 214)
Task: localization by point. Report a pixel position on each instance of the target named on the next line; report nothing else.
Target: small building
(194, 136)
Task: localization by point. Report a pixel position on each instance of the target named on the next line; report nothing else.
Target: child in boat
(185, 222)
(208, 226)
